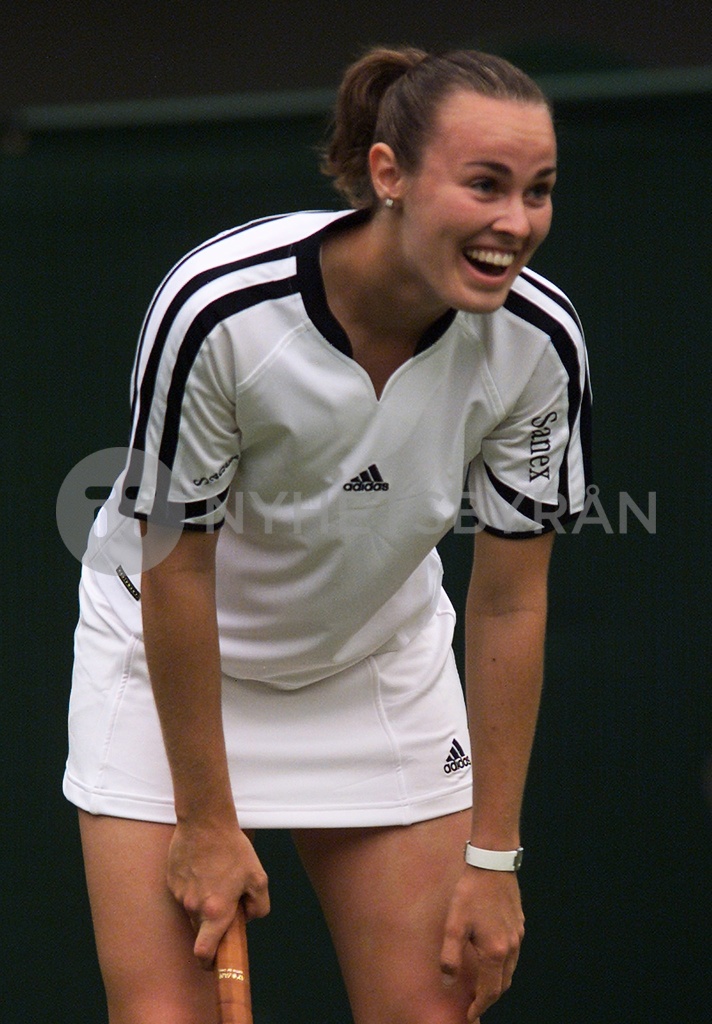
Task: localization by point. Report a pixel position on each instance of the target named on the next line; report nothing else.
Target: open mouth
(487, 261)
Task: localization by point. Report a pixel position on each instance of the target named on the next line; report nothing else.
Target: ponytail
(345, 158)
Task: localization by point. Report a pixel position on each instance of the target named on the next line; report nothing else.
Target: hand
(483, 935)
(210, 870)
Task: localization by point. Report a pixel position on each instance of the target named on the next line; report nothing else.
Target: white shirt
(332, 500)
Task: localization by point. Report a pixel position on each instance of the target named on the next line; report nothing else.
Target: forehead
(469, 127)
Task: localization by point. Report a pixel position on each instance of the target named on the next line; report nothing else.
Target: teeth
(497, 259)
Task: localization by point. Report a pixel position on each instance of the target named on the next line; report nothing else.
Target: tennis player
(317, 390)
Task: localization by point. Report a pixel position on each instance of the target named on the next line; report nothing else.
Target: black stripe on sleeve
(538, 511)
(578, 398)
(555, 296)
(202, 325)
(586, 398)
(148, 381)
(266, 257)
(586, 432)
(176, 513)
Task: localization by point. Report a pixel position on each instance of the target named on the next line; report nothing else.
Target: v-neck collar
(311, 285)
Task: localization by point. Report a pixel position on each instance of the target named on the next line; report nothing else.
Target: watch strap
(494, 860)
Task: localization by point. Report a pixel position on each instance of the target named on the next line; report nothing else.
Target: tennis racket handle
(233, 975)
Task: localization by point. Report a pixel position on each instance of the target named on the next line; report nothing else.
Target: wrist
(217, 812)
(493, 860)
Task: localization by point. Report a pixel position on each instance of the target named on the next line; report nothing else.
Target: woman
(319, 385)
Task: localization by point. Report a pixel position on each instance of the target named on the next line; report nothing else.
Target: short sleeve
(533, 469)
(186, 442)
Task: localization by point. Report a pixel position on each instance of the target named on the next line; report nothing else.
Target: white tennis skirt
(384, 742)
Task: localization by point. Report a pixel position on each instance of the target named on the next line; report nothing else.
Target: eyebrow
(498, 168)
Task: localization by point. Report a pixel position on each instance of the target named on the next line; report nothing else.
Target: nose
(513, 218)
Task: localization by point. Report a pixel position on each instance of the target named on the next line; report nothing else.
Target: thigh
(385, 894)
(144, 940)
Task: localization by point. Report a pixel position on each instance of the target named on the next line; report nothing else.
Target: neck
(368, 290)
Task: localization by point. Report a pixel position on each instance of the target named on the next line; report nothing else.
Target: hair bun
(345, 158)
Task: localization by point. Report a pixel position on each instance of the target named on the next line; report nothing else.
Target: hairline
(468, 87)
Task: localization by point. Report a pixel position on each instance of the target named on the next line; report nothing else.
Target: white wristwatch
(494, 860)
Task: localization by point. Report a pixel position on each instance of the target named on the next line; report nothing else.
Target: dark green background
(617, 827)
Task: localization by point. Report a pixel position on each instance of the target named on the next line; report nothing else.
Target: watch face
(518, 858)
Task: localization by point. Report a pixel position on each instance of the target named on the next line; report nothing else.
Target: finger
(510, 967)
(491, 982)
(471, 1019)
(451, 955)
(256, 905)
(487, 991)
(479, 1004)
(255, 899)
(206, 942)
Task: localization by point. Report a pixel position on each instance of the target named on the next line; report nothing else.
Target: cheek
(545, 225)
(540, 226)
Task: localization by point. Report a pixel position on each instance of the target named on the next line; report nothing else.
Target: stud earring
(388, 202)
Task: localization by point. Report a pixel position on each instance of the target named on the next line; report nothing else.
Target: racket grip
(233, 975)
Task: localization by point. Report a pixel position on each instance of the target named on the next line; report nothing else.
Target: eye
(540, 192)
(485, 187)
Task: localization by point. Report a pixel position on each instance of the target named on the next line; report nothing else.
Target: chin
(489, 302)
(479, 297)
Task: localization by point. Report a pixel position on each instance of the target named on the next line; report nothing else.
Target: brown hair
(392, 96)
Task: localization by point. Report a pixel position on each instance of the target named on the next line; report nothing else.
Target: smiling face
(478, 206)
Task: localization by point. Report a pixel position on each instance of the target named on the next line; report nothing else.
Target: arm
(504, 633)
(211, 864)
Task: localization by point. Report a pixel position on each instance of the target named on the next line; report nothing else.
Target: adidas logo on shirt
(369, 480)
(456, 759)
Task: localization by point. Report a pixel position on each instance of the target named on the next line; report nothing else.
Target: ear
(386, 175)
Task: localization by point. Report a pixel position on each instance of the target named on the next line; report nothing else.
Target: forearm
(182, 649)
(211, 863)
(505, 654)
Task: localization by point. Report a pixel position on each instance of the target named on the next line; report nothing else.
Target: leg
(144, 940)
(385, 894)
